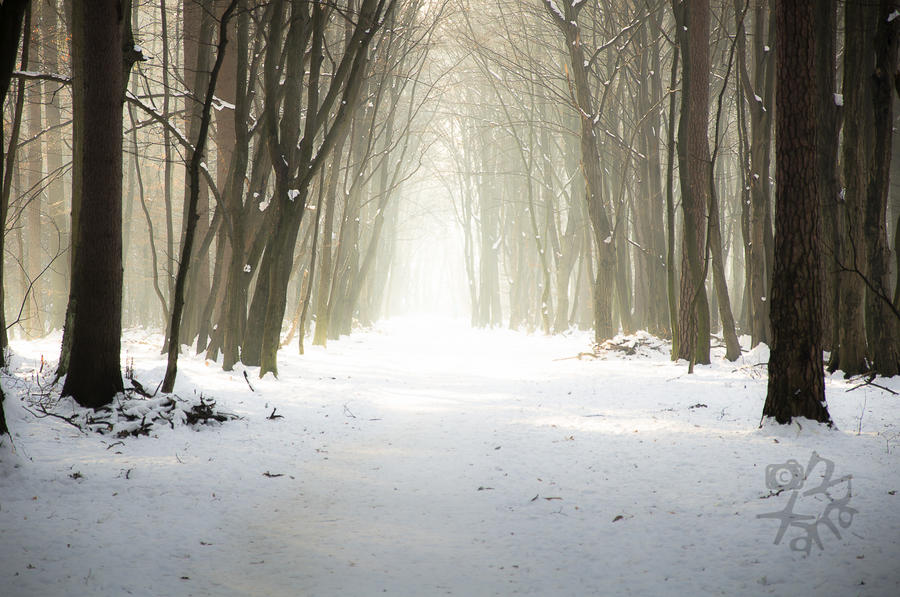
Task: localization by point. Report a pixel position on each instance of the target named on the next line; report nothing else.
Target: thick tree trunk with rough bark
(94, 373)
(796, 376)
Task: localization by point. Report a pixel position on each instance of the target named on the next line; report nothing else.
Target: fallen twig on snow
(578, 356)
(870, 382)
(45, 413)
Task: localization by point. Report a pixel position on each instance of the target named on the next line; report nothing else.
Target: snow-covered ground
(424, 458)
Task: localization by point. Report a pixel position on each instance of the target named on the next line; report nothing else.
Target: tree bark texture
(796, 377)
(94, 372)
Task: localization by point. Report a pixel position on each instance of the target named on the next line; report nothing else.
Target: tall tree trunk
(827, 143)
(34, 182)
(732, 346)
(850, 354)
(226, 143)
(544, 242)
(276, 94)
(347, 257)
(167, 155)
(9, 169)
(56, 195)
(383, 192)
(884, 325)
(758, 93)
(723, 301)
(604, 286)
(191, 225)
(320, 337)
(569, 244)
(650, 229)
(694, 163)
(312, 267)
(65, 351)
(12, 14)
(237, 217)
(796, 377)
(94, 374)
(489, 285)
(671, 273)
(743, 139)
(164, 309)
(199, 27)
(346, 84)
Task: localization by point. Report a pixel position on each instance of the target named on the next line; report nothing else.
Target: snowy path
(423, 461)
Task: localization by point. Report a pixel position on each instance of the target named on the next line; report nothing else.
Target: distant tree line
(231, 171)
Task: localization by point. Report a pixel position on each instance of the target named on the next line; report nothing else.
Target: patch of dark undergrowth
(132, 413)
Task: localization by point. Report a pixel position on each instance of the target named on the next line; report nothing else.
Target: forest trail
(402, 491)
(426, 458)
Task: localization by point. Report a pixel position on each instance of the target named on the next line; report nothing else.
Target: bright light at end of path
(428, 266)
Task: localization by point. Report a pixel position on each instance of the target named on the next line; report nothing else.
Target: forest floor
(424, 458)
